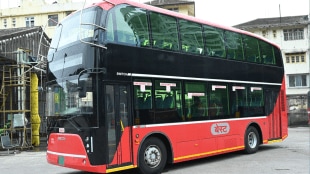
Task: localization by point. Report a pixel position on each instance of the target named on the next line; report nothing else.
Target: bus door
(274, 109)
(117, 120)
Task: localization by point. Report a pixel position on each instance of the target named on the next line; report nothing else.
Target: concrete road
(289, 157)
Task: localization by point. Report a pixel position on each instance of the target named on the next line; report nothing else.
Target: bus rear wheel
(251, 140)
(152, 156)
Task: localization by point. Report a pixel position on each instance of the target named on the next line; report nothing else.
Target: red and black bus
(135, 86)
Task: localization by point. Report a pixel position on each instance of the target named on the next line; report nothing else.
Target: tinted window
(131, 26)
(278, 56)
(164, 31)
(195, 101)
(214, 41)
(238, 99)
(168, 101)
(251, 49)
(218, 101)
(247, 101)
(267, 53)
(191, 37)
(110, 29)
(234, 46)
(143, 100)
(70, 30)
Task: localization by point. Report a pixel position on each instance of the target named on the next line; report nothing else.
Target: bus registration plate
(61, 160)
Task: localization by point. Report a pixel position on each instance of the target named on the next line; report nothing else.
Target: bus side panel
(201, 139)
(230, 133)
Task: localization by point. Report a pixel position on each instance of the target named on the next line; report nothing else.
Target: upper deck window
(251, 49)
(75, 27)
(214, 42)
(267, 53)
(164, 31)
(191, 37)
(129, 26)
(141, 28)
(234, 46)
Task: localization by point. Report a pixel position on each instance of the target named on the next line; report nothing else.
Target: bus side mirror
(82, 88)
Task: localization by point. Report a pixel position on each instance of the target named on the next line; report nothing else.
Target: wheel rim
(252, 140)
(152, 156)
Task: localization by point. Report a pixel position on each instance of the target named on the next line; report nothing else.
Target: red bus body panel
(68, 150)
(202, 138)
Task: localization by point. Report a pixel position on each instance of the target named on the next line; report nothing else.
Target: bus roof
(179, 15)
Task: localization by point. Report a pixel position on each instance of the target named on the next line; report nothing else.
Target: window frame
(30, 21)
(52, 20)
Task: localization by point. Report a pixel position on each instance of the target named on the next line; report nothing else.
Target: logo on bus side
(220, 128)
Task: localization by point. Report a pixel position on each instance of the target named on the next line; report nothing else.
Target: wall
(40, 11)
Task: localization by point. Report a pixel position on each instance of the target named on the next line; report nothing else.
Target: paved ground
(289, 157)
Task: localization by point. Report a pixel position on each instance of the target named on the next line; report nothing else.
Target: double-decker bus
(135, 86)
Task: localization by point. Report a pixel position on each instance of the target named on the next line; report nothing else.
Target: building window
(293, 34)
(176, 9)
(29, 21)
(295, 58)
(287, 59)
(302, 58)
(264, 32)
(5, 23)
(52, 20)
(68, 13)
(13, 22)
(297, 80)
(274, 33)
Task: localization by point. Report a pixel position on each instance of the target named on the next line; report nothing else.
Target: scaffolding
(15, 103)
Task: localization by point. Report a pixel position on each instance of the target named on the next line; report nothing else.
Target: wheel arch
(259, 130)
(164, 138)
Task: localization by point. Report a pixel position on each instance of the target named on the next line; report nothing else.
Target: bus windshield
(79, 26)
(70, 98)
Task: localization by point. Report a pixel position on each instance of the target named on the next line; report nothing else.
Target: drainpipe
(35, 118)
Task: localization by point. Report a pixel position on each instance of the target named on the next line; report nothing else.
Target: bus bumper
(67, 150)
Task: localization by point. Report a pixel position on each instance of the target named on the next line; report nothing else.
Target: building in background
(292, 33)
(32, 13)
(182, 6)
(22, 59)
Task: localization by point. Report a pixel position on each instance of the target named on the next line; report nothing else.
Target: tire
(152, 156)
(251, 140)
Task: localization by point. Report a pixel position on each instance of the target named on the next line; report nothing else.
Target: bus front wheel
(152, 156)
(251, 140)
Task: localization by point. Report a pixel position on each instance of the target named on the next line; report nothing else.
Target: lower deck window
(167, 101)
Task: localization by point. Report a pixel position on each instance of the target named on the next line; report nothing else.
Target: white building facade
(292, 34)
(31, 13)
